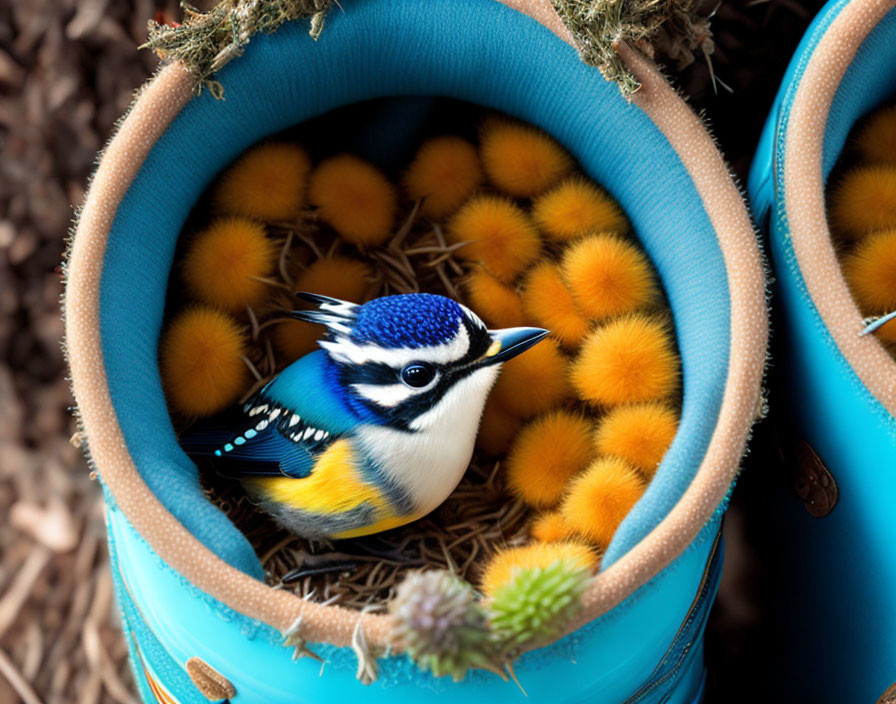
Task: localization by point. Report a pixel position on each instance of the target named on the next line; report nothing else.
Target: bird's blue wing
(262, 454)
(281, 430)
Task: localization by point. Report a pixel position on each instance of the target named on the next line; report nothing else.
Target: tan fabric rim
(161, 101)
(804, 197)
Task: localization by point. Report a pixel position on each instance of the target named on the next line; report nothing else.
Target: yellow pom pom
(577, 207)
(521, 160)
(600, 498)
(221, 264)
(876, 141)
(639, 434)
(864, 201)
(201, 361)
(534, 382)
(550, 527)
(502, 566)
(337, 277)
(444, 173)
(354, 198)
(497, 429)
(266, 183)
(501, 236)
(608, 276)
(627, 360)
(548, 303)
(871, 272)
(546, 454)
(497, 304)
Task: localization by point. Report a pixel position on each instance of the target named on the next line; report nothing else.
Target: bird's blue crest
(411, 321)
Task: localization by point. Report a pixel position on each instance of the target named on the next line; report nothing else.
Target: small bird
(377, 427)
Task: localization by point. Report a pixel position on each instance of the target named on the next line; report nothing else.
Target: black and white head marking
(399, 384)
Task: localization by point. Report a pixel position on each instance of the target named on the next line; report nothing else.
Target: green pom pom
(440, 625)
(536, 604)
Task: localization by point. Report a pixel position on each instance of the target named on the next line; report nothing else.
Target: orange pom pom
(497, 429)
(201, 361)
(871, 272)
(577, 207)
(550, 527)
(876, 141)
(497, 304)
(546, 454)
(444, 173)
(222, 262)
(608, 276)
(500, 236)
(502, 566)
(627, 360)
(600, 498)
(548, 303)
(864, 201)
(266, 183)
(355, 199)
(293, 339)
(639, 434)
(521, 160)
(534, 382)
(338, 277)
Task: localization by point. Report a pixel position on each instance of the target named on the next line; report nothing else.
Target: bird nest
(486, 513)
(480, 514)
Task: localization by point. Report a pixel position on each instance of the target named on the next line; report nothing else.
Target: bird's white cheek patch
(386, 396)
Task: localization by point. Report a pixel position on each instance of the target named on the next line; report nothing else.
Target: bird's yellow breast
(335, 486)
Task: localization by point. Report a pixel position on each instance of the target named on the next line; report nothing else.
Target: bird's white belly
(429, 463)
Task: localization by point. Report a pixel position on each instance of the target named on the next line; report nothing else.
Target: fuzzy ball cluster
(862, 218)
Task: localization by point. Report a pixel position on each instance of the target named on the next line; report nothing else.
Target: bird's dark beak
(510, 342)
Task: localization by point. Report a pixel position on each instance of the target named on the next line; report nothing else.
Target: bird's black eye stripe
(417, 375)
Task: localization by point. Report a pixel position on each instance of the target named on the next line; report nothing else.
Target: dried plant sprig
(438, 622)
(206, 41)
(663, 28)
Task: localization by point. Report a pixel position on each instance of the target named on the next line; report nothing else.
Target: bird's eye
(418, 374)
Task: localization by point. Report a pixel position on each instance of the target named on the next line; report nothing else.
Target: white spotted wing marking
(290, 425)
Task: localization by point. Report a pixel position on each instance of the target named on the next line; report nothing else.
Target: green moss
(670, 29)
(206, 41)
